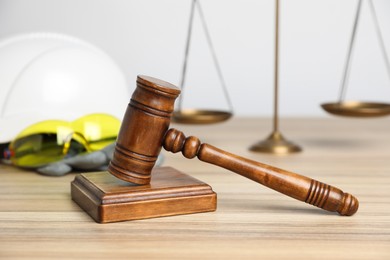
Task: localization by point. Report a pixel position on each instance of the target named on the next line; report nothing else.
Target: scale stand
(276, 143)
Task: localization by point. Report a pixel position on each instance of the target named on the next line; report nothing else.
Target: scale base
(108, 199)
(276, 144)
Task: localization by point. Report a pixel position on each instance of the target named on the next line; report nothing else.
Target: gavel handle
(291, 184)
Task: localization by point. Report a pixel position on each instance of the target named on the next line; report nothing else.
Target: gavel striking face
(144, 131)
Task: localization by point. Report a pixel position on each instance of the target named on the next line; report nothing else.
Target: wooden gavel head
(143, 128)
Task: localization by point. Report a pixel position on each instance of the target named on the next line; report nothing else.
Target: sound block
(108, 199)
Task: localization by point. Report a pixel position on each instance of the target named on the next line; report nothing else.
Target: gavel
(144, 131)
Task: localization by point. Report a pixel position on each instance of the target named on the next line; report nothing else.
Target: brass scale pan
(200, 116)
(359, 108)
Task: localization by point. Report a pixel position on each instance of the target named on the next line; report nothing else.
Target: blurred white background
(148, 37)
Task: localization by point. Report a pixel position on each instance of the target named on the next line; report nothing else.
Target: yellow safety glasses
(53, 140)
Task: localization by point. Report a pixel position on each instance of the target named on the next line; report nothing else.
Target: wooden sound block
(108, 199)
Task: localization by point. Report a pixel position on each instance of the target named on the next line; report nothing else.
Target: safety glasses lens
(53, 140)
(40, 149)
(99, 130)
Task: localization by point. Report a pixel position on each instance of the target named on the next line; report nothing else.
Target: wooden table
(38, 219)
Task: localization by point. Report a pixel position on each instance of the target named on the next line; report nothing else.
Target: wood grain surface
(38, 219)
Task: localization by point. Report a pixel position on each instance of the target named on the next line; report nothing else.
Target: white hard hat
(51, 76)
